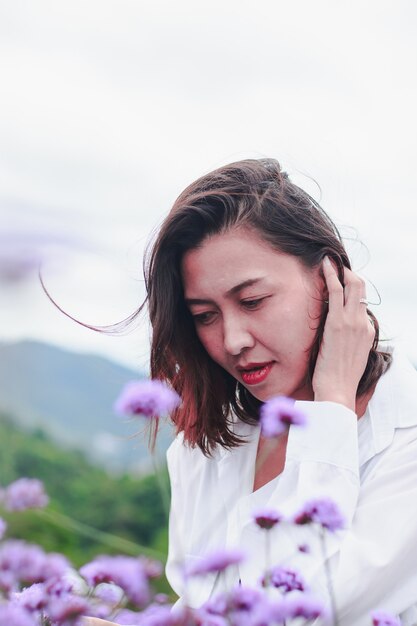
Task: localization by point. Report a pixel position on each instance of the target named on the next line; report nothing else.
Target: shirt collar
(393, 405)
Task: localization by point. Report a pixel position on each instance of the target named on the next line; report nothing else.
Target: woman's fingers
(334, 287)
(344, 298)
(355, 290)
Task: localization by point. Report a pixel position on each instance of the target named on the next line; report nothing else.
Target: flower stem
(107, 539)
(162, 484)
(267, 576)
(329, 581)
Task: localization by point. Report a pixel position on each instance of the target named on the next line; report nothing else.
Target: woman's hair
(257, 195)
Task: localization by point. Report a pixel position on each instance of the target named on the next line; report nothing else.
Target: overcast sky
(109, 108)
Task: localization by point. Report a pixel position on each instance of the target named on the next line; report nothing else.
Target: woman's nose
(236, 335)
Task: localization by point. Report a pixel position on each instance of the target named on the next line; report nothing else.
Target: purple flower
(3, 527)
(14, 615)
(24, 562)
(58, 587)
(25, 493)
(381, 618)
(53, 567)
(127, 572)
(67, 607)
(304, 548)
(245, 598)
(17, 265)
(33, 598)
(267, 518)
(108, 592)
(304, 605)
(217, 605)
(321, 511)
(152, 569)
(261, 613)
(156, 616)
(102, 611)
(277, 414)
(22, 251)
(286, 579)
(209, 619)
(243, 606)
(126, 616)
(151, 398)
(215, 562)
(7, 581)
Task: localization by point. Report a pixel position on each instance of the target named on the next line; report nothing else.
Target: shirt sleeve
(376, 563)
(176, 555)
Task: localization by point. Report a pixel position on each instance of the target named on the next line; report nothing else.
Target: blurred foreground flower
(277, 414)
(129, 573)
(24, 249)
(22, 562)
(252, 607)
(306, 606)
(267, 518)
(381, 618)
(24, 493)
(215, 562)
(286, 579)
(322, 511)
(11, 615)
(150, 398)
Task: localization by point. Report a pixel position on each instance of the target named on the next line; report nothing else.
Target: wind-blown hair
(257, 195)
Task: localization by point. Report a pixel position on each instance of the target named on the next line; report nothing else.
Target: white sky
(109, 108)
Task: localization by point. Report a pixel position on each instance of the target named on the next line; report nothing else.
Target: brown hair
(255, 194)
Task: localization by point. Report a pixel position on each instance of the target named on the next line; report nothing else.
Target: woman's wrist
(348, 401)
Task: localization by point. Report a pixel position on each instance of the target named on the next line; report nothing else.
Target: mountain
(70, 396)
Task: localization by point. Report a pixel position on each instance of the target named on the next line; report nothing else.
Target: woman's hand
(347, 339)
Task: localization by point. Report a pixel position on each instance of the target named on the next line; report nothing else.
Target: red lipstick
(255, 373)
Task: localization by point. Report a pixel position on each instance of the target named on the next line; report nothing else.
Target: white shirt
(368, 467)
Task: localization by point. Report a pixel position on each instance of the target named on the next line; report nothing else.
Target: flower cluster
(150, 398)
(22, 562)
(214, 562)
(323, 512)
(267, 518)
(128, 573)
(286, 579)
(381, 618)
(24, 493)
(40, 589)
(277, 415)
(247, 606)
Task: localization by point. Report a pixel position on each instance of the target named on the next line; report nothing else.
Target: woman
(251, 295)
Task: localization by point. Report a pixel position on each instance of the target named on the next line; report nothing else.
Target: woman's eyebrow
(231, 292)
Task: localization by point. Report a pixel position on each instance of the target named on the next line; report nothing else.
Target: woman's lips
(255, 374)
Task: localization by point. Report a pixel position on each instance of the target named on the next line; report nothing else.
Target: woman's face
(256, 311)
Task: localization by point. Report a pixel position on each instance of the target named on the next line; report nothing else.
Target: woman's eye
(203, 318)
(252, 304)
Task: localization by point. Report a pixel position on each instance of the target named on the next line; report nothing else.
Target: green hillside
(70, 396)
(90, 511)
